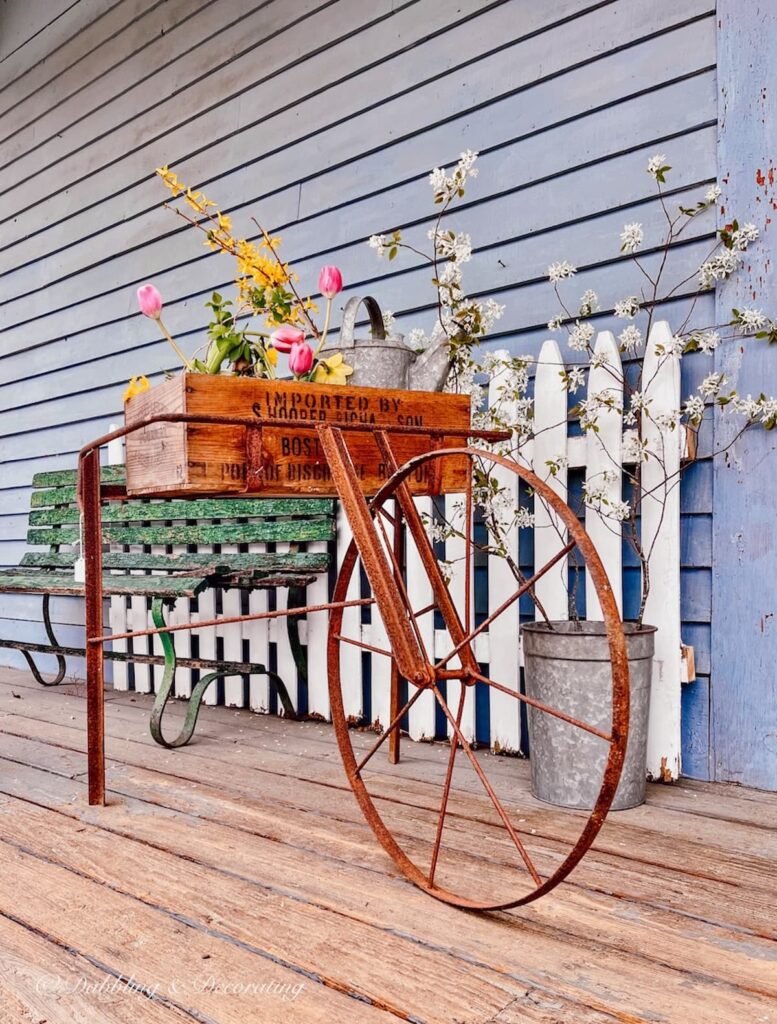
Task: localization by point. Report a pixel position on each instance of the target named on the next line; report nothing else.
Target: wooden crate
(191, 458)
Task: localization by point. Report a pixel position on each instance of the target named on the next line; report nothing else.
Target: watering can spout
(430, 369)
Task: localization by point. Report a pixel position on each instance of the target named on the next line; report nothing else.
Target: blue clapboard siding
(324, 119)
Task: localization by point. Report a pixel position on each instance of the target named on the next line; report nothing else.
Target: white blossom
(694, 409)
(751, 319)
(560, 271)
(631, 237)
(417, 338)
(630, 338)
(524, 518)
(490, 312)
(575, 378)
(580, 336)
(388, 321)
(718, 267)
(620, 510)
(743, 236)
(627, 308)
(446, 187)
(667, 420)
(707, 341)
(638, 402)
(452, 245)
(589, 303)
(712, 384)
(635, 448)
(378, 243)
(555, 322)
(674, 347)
(655, 163)
(712, 194)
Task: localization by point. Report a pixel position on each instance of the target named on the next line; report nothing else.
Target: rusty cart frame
(381, 525)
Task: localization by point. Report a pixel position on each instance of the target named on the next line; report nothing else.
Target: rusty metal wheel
(427, 808)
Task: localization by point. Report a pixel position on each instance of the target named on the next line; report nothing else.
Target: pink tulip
(330, 282)
(150, 301)
(300, 358)
(286, 336)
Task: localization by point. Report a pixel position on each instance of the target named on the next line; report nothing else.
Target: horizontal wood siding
(324, 119)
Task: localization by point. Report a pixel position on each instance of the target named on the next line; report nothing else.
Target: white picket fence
(498, 647)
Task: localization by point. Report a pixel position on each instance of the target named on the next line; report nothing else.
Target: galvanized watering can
(386, 362)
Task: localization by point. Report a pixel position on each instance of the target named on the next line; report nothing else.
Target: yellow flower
(333, 370)
(271, 355)
(225, 222)
(170, 179)
(135, 387)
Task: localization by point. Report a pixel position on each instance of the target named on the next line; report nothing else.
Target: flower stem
(325, 331)
(169, 337)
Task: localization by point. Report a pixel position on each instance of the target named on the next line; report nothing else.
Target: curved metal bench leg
(198, 692)
(61, 663)
(165, 688)
(297, 599)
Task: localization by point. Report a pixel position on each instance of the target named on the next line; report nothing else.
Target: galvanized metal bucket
(568, 667)
(381, 361)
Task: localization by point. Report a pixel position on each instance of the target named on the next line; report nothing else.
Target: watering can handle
(377, 329)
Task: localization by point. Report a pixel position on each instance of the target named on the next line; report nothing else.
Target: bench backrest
(135, 524)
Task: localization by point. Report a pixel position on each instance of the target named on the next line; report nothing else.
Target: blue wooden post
(743, 704)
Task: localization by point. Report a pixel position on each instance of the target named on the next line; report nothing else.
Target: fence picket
(233, 639)
(550, 443)
(504, 663)
(316, 631)
(455, 552)
(257, 634)
(603, 470)
(117, 614)
(422, 714)
(350, 656)
(661, 519)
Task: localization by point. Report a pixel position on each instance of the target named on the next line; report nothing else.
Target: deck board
(248, 849)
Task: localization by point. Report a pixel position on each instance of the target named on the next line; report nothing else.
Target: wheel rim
(419, 846)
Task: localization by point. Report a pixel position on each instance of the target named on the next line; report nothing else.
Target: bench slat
(206, 508)
(269, 562)
(225, 533)
(64, 583)
(68, 477)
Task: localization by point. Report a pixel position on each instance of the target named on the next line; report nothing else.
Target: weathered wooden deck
(234, 880)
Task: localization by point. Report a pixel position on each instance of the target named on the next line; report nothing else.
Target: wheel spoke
(538, 704)
(528, 585)
(425, 610)
(447, 788)
(394, 724)
(362, 645)
(489, 789)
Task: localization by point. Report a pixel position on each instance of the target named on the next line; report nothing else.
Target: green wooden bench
(130, 528)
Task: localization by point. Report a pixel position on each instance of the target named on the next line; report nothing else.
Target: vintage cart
(376, 451)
